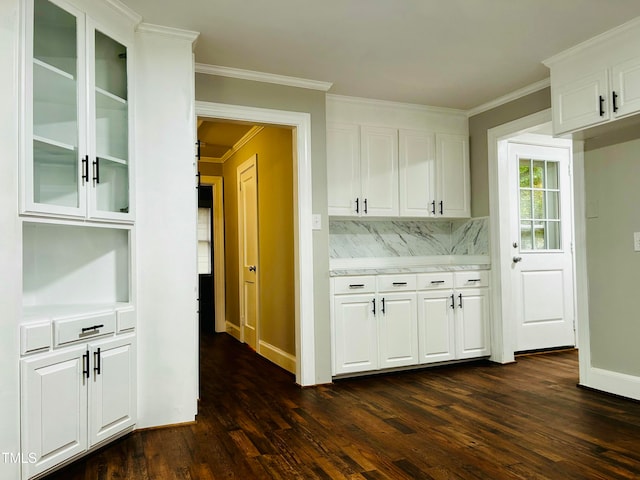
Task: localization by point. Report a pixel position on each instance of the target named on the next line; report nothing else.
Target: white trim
(396, 105)
(501, 329)
(303, 231)
(233, 330)
(187, 35)
(408, 262)
(123, 9)
(252, 75)
(611, 382)
(593, 41)
(278, 356)
(246, 138)
(510, 97)
(218, 250)
(211, 160)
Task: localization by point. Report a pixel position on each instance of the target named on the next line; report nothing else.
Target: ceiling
(449, 53)
(218, 138)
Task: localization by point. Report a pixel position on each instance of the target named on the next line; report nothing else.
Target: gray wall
(232, 91)
(478, 127)
(612, 176)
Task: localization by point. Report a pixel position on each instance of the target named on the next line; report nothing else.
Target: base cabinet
(75, 398)
(397, 330)
(436, 326)
(472, 332)
(356, 334)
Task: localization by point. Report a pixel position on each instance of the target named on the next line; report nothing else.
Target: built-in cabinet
(78, 328)
(400, 320)
(77, 122)
(379, 171)
(597, 81)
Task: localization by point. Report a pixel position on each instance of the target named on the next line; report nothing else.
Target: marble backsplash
(408, 238)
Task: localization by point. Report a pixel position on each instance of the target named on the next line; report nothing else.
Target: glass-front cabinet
(78, 118)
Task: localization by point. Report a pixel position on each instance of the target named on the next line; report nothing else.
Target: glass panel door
(55, 70)
(111, 163)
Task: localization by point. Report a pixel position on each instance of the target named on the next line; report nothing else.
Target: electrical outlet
(316, 221)
(636, 241)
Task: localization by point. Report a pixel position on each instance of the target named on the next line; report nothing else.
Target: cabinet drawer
(81, 328)
(35, 337)
(396, 283)
(126, 317)
(361, 284)
(474, 278)
(436, 280)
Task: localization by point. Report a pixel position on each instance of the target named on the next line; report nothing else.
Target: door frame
(218, 250)
(303, 233)
(248, 163)
(502, 328)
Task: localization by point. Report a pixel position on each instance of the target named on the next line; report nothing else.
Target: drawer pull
(93, 328)
(399, 284)
(436, 282)
(356, 285)
(474, 280)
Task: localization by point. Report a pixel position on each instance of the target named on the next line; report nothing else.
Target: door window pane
(525, 204)
(525, 173)
(539, 237)
(538, 204)
(553, 235)
(526, 241)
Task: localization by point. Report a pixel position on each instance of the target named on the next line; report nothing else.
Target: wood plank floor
(478, 421)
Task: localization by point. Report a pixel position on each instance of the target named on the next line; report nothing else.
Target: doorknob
(517, 259)
(252, 268)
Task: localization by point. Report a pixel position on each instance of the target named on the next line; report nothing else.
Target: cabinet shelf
(52, 146)
(111, 96)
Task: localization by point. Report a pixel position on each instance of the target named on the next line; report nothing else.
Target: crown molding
(262, 77)
(391, 104)
(510, 97)
(603, 37)
(123, 9)
(237, 146)
(187, 35)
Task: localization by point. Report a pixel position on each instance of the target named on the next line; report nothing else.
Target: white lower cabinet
(404, 320)
(74, 398)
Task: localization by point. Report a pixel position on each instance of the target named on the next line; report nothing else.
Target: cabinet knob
(252, 268)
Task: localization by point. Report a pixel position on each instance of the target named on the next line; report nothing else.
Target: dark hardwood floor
(476, 421)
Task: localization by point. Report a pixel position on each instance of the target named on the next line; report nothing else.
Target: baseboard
(278, 356)
(233, 330)
(616, 383)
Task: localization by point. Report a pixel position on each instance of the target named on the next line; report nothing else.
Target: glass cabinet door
(54, 171)
(110, 112)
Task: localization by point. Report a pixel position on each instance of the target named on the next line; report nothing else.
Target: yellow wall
(211, 169)
(274, 148)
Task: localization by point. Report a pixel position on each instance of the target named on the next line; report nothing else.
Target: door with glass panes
(542, 263)
(77, 155)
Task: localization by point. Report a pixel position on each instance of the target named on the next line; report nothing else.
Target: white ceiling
(449, 53)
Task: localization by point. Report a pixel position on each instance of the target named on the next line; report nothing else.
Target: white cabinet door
(436, 328)
(54, 408)
(379, 172)
(625, 86)
(472, 318)
(453, 186)
(355, 335)
(417, 165)
(112, 398)
(397, 329)
(343, 168)
(581, 103)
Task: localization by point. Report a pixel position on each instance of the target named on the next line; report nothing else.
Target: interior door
(542, 263)
(248, 250)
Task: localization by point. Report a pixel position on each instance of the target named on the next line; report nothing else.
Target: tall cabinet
(78, 329)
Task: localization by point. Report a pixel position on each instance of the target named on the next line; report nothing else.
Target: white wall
(10, 239)
(166, 228)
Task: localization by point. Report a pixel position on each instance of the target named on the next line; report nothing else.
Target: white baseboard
(613, 382)
(233, 330)
(278, 356)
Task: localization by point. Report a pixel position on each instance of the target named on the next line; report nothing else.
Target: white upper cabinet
(343, 168)
(379, 172)
(597, 81)
(417, 173)
(453, 183)
(77, 121)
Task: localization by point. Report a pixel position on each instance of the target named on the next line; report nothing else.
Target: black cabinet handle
(615, 102)
(474, 280)
(356, 285)
(97, 361)
(399, 284)
(365, 206)
(441, 207)
(85, 169)
(94, 327)
(357, 205)
(453, 301)
(460, 300)
(96, 170)
(435, 282)
(601, 98)
(374, 305)
(382, 304)
(85, 364)
(433, 207)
